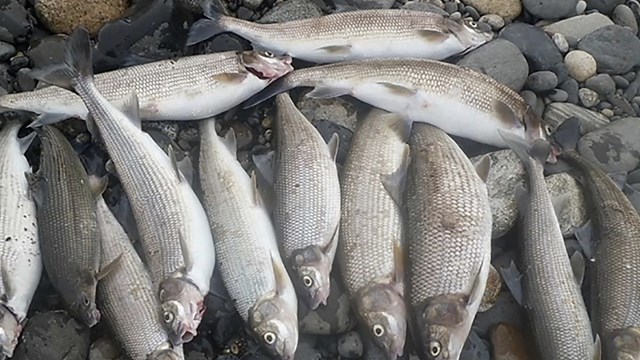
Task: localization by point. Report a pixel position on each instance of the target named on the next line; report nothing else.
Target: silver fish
(20, 260)
(180, 89)
(550, 291)
(449, 237)
(371, 228)
(459, 100)
(354, 35)
(307, 201)
(248, 255)
(173, 226)
(127, 298)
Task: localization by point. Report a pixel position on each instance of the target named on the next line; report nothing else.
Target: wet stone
(350, 345)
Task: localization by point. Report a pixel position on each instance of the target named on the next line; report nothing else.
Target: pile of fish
(406, 218)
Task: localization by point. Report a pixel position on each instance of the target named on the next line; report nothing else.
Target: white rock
(580, 64)
(561, 42)
(581, 6)
(588, 97)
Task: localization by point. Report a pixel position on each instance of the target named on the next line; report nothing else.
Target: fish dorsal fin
(399, 261)
(174, 163)
(482, 167)
(186, 255)
(130, 107)
(513, 279)
(26, 141)
(264, 163)
(37, 186)
(334, 145)
(560, 203)
(109, 268)
(597, 348)
(394, 183)
(229, 141)
(584, 235)
(578, 266)
(257, 197)
(92, 127)
(280, 275)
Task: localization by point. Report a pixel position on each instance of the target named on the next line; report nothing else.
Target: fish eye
(85, 300)
(435, 348)
(268, 54)
(269, 338)
(472, 23)
(307, 280)
(548, 129)
(378, 330)
(167, 316)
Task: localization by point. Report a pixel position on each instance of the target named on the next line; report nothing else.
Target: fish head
(274, 324)
(624, 344)
(182, 309)
(311, 268)
(265, 65)
(82, 299)
(383, 312)
(10, 330)
(536, 129)
(471, 33)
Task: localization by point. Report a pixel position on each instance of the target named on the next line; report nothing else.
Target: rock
(620, 82)
(6, 51)
(291, 10)
(53, 335)
(372, 4)
(556, 113)
(63, 16)
(574, 213)
(616, 49)
(104, 349)
(501, 60)
(588, 97)
(580, 64)
(350, 345)
(550, 9)
(561, 42)
(334, 318)
(571, 87)
(603, 84)
(424, 6)
(475, 348)
(604, 6)
(306, 349)
(48, 50)
(470, 11)
(558, 95)
(581, 6)
(634, 177)
(15, 19)
(607, 112)
(578, 27)
(25, 81)
(509, 343)
(492, 290)
(506, 309)
(623, 16)
(495, 21)
(541, 81)
(621, 105)
(614, 147)
(536, 46)
(508, 9)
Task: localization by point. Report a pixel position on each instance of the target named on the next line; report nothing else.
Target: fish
(449, 226)
(249, 259)
(550, 290)
(456, 99)
(353, 35)
(370, 247)
(615, 227)
(126, 296)
(67, 224)
(175, 238)
(176, 89)
(20, 258)
(307, 201)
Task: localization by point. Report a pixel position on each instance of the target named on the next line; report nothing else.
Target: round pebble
(623, 16)
(496, 22)
(529, 97)
(581, 6)
(508, 9)
(588, 97)
(350, 345)
(561, 42)
(542, 81)
(558, 95)
(603, 84)
(581, 65)
(571, 87)
(620, 81)
(6, 51)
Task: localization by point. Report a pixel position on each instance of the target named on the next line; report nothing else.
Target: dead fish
(173, 226)
(67, 224)
(549, 287)
(127, 298)
(20, 260)
(449, 241)
(246, 246)
(370, 249)
(458, 100)
(188, 88)
(353, 35)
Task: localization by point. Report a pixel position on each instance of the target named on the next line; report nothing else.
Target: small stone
(306, 349)
(529, 97)
(561, 42)
(558, 95)
(48, 50)
(475, 348)
(64, 16)
(508, 9)
(541, 81)
(104, 349)
(6, 51)
(496, 22)
(581, 6)
(350, 345)
(18, 62)
(588, 97)
(604, 45)
(506, 308)
(603, 84)
(450, 7)
(550, 9)
(623, 16)
(291, 10)
(509, 343)
(425, 6)
(492, 290)
(604, 6)
(571, 87)
(556, 113)
(631, 91)
(535, 45)
(581, 65)
(615, 147)
(252, 4)
(620, 81)
(25, 81)
(471, 12)
(15, 20)
(577, 27)
(607, 112)
(501, 60)
(621, 104)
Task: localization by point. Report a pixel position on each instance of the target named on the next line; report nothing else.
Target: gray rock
(634, 177)
(529, 97)
(508, 9)
(47, 51)
(252, 4)
(571, 87)
(574, 213)
(15, 19)
(372, 4)
(620, 81)
(621, 105)
(470, 11)
(306, 349)
(581, 6)
(603, 84)
(561, 42)
(291, 10)
(475, 348)
(505, 310)
(580, 64)
(615, 147)
(350, 345)
(6, 51)
(334, 318)
(631, 91)
(604, 6)
(558, 95)
(579, 26)
(604, 45)
(496, 22)
(541, 81)
(550, 9)
(588, 97)
(424, 6)
(623, 16)
(501, 60)
(104, 349)
(556, 113)
(536, 46)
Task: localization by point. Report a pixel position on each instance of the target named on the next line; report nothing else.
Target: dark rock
(334, 318)
(471, 12)
(558, 95)
(198, 348)
(620, 81)
(571, 87)
(421, 6)
(577, 27)
(623, 16)
(6, 51)
(25, 81)
(536, 46)
(475, 348)
(5, 35)
(5, 78)
(556, 113)
(501, 60)
(306, 349)
(47, 51)
(631, 91)
(550, 9)
(350, 345)
(604, 6)
(18, 62)
(104, 349)
(371, 4)
(15, 19)
(541, 81)
(615, 147)
(615, 48)
(603, 84)
(291, 10)
(621, 104)
(450, 7)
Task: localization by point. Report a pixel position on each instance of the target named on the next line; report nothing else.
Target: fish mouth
(187, 333)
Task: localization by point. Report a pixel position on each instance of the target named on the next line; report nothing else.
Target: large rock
(615, 147)
(604, 6)
(291, 10)
(64, 16)
(556, 113)
(15, 20)
(615, 48)
(580, 64)
(508, 9)
(536, 46)
(550, 9)
(577, 27)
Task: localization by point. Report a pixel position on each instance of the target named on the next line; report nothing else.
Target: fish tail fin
(568, 133)
(77, 66)
(538, 150)
(207, 27)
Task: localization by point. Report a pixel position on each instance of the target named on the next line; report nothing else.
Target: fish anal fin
(98, 184)
(578, 266)
(26, 141)
(326, 92)
(229, 141)
(399, 261)
(231, 78)
(109, 268)
(597, 348)
(482, 167)
(395, 182)
(8, 289)
(334, 145)
(513, 279)
(186, 255)
(130, 107)
(522, 198)
(257, 197)
(476, 292)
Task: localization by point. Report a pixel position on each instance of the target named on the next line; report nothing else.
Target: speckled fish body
(449, 241)
(20, 260)
(67, 224)
(307, 206)
(180, 89)
(371, 228)
(461, 101)
(126, 295)
(355, 35)
(246, 246)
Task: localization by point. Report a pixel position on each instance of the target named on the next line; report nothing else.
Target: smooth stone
(571, 87)
(509, 343)
(558, 95)
(104, 349)
(64, 16)
(634, 177)
(541, 81)
(631, 91)
(350, 345)
(561, 42)
(6, 51)
(580, 64)
(25, 81)
(306, 349)
(620, 81)
(507, 9)
(333, 318)
(579, 26)
(291, 10)
(535, 45)
(529, 97)
(607, 112)
(603, 84)
(621, 104)
(252, 4)
(372, 4)
(550, 9)
(588, 97)
(471, 12)
(615, 147)
(475, 348)
(424, 6)
(501, 60)
(495, 21)
(575, 213)
(556, 113)
(581, 6)
(15, 20)
(505, 309)
(623, 16)
(604, 6)
(47, 51)
(615, 48)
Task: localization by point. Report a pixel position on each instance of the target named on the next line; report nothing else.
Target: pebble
(529, 97)
(581, 6)
(6, 51)
(631, 91)
(372, 4)
(607, 112)
(350, 345)
(25, 81)
(424, 6)
(550, 9)
(604, 6)
(541, 81)
(556, 113)
(18, 62)
(64, 16)
(588, 97)
(579, 26)
(509, 343)
(623, 16)
(475, 348)
(605, 46)
(536, 46)
(496, 22)
(501, 60)
(561, 42)
(48, 50)
(580, 64)
(306, 349)
(615, 147)
(252, 4)
(505, 309)
(104, 349)
(620, 81)
(333, 318)
(571, 87)
(558, 95)
(507, 9)
(471, 12)
(603, 84)
(621, 105)
(291, 10)
(15, 19)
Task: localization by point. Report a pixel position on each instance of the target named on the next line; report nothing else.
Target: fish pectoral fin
(257, 197)
(92, 127)
(265, 165)
(8, 289)
(336, 49)
(48, 119)
(109, 268)
(597, 348)
(584, 235)
(186, 168)
(37, 186)
(482, 168)
(578, 266)
(26, 141)
(397, 89)
(513, 279)
(231, 78)
(399, 262)
(110, 167)
(477, 288)
(229, 141)
(98, 184)
(326, 92)
(130, 107)
(433, 36)
(505, 114)
(281, 276)
(618, 178)
(334, 145)
(395, 182)
(187, 257)
(174, 163)
(560, 203)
